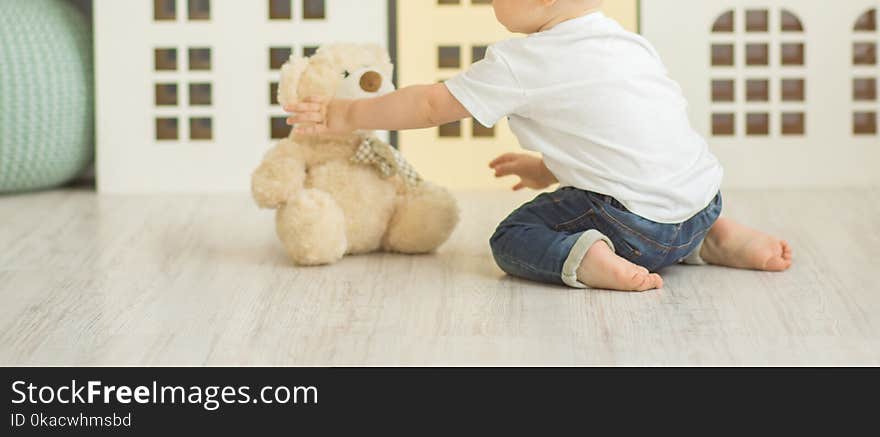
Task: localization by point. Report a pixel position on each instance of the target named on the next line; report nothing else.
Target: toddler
(639, 187)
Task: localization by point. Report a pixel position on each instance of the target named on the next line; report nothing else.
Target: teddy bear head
(344, 71)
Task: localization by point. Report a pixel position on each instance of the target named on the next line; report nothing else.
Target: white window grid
(774, 72)
(183, 77)
(297, 12)
(865, 72)
(182, 14)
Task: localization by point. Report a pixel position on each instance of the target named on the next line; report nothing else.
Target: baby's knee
(506, 250)
(499, 243)
(498, 239)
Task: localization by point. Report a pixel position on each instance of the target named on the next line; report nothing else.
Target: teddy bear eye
(345, 74)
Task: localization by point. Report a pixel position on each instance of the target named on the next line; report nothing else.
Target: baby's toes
(645, 282)
(787, 252)
(780, 260)
(656, 281)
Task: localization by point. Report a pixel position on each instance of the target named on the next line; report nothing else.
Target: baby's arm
(532, 171)
(413, 107)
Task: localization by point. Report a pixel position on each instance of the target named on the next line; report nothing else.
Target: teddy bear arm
(281, 175)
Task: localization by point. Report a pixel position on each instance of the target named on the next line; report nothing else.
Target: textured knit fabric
(46, 94)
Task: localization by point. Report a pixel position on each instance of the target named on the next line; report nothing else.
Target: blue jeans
(546, 239)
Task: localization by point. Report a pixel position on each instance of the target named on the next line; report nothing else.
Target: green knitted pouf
(46, 108)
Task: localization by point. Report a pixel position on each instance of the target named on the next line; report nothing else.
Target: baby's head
(531, 16)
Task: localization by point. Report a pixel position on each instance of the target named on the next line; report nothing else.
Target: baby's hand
(319, 116)
(531, 170)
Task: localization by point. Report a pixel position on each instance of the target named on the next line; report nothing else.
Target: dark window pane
(480, 131)
(199, 9)
(447, 2)
(757, 54)
(793, 90)
(757, 21)
(166, 94)
(164, 10)
(280, 9)
(791, 23)
(309, 51)
(758, 124)
(273, 93)
(314, 9)
(199, 59)
(723, 124)
(166, 129)
(724, 23)
(758, 90)
(867, 22)
(793, 123)
(865, 123)
(793, 54)
(201, 129)
(166, 59)
(200, 94)
(723, 90)
(722, 54)
(449, 57)
(478, 53)
(450, 130)
(865, 89)
(278, 56)
(279, 128)
(865, 53)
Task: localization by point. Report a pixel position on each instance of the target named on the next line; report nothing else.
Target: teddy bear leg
(424, 219)
(311, 225)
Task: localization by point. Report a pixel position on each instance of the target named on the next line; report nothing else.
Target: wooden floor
(90, 280)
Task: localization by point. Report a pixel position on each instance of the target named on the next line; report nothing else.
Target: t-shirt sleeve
(488, 90)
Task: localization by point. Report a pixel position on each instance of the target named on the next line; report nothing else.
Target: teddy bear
(347, 194)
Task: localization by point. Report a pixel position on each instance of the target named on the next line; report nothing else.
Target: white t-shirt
(597, 102)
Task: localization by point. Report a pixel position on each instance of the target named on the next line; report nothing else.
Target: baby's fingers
(317, 99)
(502, 170)
(305, 117)
(505, 158)
(314, 129)
(304, 107)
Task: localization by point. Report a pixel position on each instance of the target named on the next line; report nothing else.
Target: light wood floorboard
(202, 280)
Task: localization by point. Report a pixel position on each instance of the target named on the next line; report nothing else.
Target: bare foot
(601, 268)
(731, 244)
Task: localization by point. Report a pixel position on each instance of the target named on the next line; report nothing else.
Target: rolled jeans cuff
(577, 254)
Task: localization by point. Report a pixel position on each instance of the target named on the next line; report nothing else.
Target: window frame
(761, 80)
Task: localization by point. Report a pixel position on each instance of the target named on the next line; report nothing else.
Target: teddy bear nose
(371, 82)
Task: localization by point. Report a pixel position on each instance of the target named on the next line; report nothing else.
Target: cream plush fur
(327, 206)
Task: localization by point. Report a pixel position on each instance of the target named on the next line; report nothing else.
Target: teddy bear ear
(291, 73)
